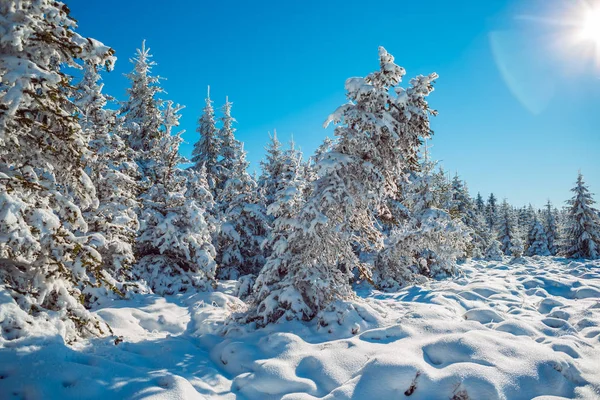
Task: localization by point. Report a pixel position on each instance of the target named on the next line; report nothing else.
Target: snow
(498, 331)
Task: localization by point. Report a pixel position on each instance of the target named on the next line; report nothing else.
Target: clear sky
(519, 102)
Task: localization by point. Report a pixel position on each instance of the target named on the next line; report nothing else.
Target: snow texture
(526, 331)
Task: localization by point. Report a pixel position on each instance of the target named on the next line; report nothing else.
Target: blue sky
(519, 109)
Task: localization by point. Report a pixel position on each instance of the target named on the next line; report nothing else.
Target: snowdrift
(526, 330)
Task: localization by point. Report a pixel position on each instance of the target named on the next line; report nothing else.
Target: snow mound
(530, 330)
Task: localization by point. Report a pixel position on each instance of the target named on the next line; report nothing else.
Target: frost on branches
(174, 247)
(271, 170)
(173, 250)
(510, 243)
(552, 228)
(207, 149)
(582, 233)
(462, 207)
(47, 258)
(427, 244)
(142, 111)
(537, 241)
(111, 168)
(379, 132)
(287, 202)
(243, 230)
(494, 251)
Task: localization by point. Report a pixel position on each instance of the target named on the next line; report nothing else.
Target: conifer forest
(362, 270)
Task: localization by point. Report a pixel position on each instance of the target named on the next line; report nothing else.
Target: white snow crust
(523, 330)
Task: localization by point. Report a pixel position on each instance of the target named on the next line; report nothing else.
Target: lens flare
(590, 29)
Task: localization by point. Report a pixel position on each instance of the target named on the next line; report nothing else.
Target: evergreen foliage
(582, 233)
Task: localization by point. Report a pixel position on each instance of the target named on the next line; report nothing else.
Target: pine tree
(289, 199)
(491, 211)
(494, 251)
(141, 113)
(428, 243)
(462, 207)
(244, 226)
(198, 190)
(174, 251)
(47, 258)
(271, 169)
(243, 230)
(379, 132)
(442, 189)
(551, 226)
(525, 218)
(230, 147)
(114, 175)
(511, 244)
(311, 166)
(174, 247)
(208, 148)
(479, 204)
(537, 241)
(582, 234)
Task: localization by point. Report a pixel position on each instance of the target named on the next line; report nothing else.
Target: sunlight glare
(590, 29)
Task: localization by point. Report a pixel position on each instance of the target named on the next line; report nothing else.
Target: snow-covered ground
(499, 331)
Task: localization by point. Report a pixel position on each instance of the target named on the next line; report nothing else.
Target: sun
(590, 28)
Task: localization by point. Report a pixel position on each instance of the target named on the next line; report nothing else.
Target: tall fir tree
(174, 248)
(462, 207)
(582, 230)
(208, 147)
(537, 241)
(115, 177)
(508, 235)
(244, 226)
(141, 112)
(491, 212)
(428, 243)
(379, 132)
(46, 256)
(480, 204)
(229, 152)
(552, 229)
(271, 169)
(289, 199)
(442, 189)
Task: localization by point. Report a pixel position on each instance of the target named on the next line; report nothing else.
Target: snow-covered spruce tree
(174, 247)
(537, 241)
(271, 169)
(428, 243)
(479, 204)
(525, 218)
(442, 189)
(199, 191)
(173, 250)
(289, 199)
(493, 251)
(379, 132)
(286, 205)
(552, 230)
(115, 176)
(582, 233)
(244, 226)
(491, 212)
(511, 244)
(142, 116)
(310, 166)
(462, 207)
(230, 148)
(208, 148)
(47, 258)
